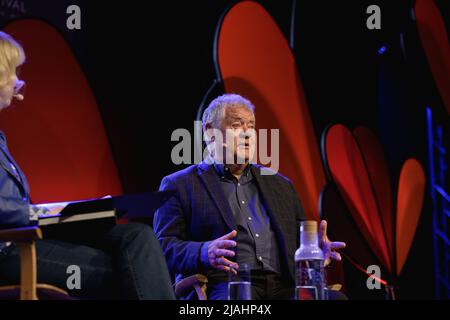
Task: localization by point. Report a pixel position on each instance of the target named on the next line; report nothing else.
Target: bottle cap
(309, 226)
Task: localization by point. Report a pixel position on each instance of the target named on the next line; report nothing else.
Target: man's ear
(208, 139)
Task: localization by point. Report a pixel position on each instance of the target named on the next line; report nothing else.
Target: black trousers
(265, 286)
(126, 262)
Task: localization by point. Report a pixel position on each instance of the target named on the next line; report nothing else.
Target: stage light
(382, 50)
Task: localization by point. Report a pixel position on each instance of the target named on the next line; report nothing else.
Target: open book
(72, 211)
(141, 205)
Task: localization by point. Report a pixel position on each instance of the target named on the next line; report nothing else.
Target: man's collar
(224, 171)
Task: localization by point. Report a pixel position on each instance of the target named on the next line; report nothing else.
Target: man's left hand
(329, 247)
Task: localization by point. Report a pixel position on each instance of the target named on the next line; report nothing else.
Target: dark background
(149, 64)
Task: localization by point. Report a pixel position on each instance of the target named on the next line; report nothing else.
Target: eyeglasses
(18, 87)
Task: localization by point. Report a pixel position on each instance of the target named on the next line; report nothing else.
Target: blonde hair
(12, 55)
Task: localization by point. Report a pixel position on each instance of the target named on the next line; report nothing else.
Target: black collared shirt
(256, 241)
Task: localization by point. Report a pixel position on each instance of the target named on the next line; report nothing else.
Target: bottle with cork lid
(310, 281)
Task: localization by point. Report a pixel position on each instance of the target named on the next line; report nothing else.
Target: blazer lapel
(268, 194)
(212, 184)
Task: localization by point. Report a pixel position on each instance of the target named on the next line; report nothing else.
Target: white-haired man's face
(237, 143)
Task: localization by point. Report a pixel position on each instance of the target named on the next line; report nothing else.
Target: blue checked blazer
(199, 212)
(14, 191)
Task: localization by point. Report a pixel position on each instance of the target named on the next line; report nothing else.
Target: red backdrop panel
(349, 171)
(256, 61)
(56, 134)
(378, 171)
(434, 37)
(411, 189)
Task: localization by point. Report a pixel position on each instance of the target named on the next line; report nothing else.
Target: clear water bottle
(310, 283)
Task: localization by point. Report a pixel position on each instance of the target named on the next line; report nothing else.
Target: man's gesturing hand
(217, 252)
(329, 247)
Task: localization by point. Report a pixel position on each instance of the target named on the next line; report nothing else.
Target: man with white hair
(228, 211)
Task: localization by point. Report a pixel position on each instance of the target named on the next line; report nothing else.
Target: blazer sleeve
(299, 211)
(170, 225)
(14, 213)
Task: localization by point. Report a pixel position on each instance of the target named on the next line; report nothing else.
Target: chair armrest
(335, 287)
(196, 281)
(25, 239)
(21, 234)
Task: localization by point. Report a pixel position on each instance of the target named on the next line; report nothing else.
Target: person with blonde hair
(11, 57)
(126, 262)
